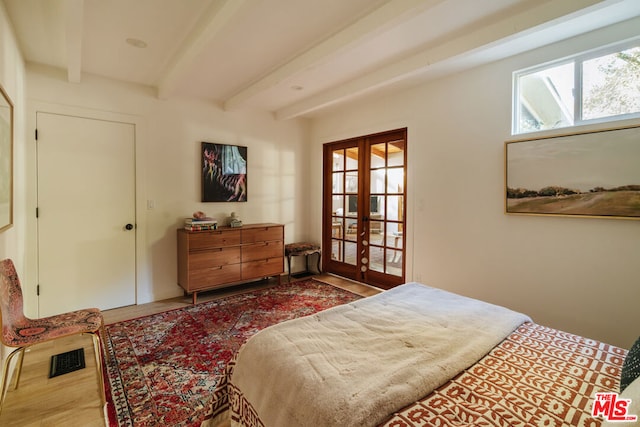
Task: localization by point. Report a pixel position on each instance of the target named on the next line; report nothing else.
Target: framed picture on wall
(588, 174)
(224, 173)
(6, 161)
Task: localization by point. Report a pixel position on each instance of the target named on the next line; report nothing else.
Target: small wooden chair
(20, 332)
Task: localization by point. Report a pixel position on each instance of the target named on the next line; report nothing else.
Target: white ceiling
(292, 57)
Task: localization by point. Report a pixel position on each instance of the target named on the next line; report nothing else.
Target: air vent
(64, 363)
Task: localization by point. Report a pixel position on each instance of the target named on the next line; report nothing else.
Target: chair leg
(103, 338)
(5, 372)
(19, 373)
(97, 350)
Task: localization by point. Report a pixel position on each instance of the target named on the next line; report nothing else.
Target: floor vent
(302, 274)
(64, 363)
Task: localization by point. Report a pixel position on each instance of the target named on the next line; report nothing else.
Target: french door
(364, 206)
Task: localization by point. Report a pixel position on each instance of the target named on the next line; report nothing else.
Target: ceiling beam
(74, 10)
(386, 16)
(477, 43)
(219, 15)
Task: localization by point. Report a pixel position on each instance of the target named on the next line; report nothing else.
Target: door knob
(129, 226)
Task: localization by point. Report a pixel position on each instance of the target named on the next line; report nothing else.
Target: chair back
(11, 309)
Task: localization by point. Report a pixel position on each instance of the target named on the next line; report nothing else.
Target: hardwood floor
(73, 399)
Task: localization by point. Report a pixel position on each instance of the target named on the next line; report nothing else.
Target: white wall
(168, 137)
(575, 274)
(12, 79)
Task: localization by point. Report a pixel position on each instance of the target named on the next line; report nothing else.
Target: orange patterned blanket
(537, 376)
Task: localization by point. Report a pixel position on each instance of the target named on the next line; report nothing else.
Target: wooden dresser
(227, 256)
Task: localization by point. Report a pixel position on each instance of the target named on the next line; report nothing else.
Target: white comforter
(356, 364)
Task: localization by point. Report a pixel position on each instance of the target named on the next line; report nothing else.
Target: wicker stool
(298, 249)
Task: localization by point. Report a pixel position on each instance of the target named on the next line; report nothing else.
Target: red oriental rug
(169, 368)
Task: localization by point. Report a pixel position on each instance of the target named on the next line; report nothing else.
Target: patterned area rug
(168, 369)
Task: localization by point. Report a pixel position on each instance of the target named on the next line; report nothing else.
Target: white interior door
(86, 199)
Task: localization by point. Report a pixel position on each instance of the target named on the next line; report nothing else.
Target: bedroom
(460, 240)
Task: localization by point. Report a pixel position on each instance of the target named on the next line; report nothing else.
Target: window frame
(578, 61)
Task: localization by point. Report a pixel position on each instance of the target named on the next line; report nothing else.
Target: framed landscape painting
(6, 161)
(589, 174)
(224, 173)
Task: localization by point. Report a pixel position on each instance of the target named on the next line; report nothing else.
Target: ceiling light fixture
(136, 43)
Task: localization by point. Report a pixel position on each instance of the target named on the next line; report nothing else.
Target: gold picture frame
(6, 161)
(583, 174)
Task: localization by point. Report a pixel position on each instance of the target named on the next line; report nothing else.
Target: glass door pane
(338, 205)
(344, 196)
(386, 207)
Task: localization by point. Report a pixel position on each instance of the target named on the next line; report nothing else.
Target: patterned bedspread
(538, 376)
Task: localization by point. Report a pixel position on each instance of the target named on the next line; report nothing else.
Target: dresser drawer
(212, 239)
(214, 258)
(262, 234)
(208, 278)
(262, 268)
(263, 250)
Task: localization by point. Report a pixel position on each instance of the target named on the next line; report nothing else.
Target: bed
(419, 356)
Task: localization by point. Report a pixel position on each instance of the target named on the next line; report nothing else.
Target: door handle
(129, 226)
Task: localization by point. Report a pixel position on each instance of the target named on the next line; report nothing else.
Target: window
(597, 86)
